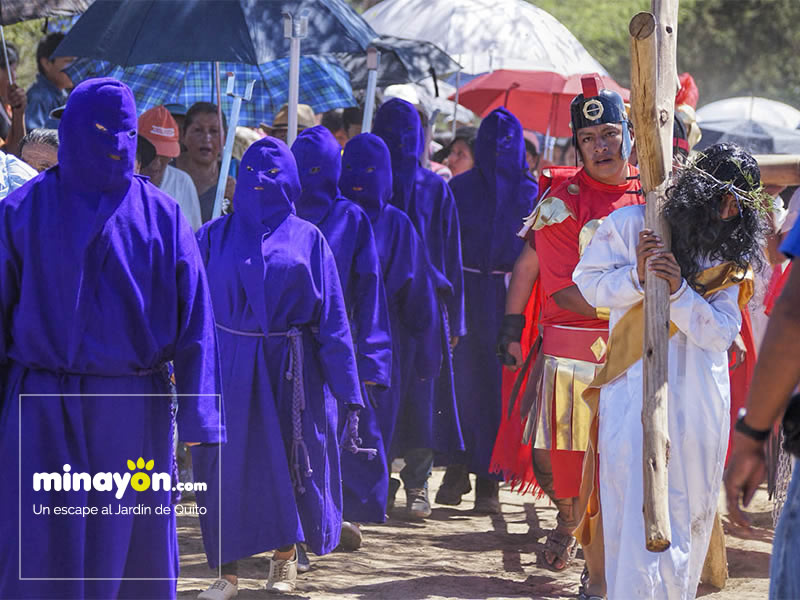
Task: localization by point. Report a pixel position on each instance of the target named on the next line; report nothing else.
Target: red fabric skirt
(510, 457)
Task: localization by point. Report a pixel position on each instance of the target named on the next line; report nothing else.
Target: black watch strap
(758, 435)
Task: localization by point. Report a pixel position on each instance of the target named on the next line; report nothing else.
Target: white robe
(699, 406)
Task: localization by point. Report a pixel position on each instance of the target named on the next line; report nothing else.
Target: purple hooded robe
(431, 418)
(101, 283)
(349, 234)
(272, 273)
(493, 198)
(408, 278)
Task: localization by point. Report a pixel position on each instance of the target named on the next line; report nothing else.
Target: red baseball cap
(159, 128)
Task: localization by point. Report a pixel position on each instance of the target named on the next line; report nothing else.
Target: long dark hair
(693, 205)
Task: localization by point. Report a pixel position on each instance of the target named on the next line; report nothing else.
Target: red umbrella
(539, 99)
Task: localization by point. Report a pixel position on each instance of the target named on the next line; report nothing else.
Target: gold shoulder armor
(549, 211)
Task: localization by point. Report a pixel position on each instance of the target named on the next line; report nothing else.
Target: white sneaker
(221, 589)
(282, 575)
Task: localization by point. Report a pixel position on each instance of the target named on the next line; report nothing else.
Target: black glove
(791, 427)
(510, 331)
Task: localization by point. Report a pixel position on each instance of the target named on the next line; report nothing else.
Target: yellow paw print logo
(140, 481)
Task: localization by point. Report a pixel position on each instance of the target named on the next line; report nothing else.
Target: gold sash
(625, 345)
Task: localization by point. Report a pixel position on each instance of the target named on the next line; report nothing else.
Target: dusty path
(456, 554)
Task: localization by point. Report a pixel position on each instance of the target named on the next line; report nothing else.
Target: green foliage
(731, 47)
(602, 27)
(25, 36)
(742, 48)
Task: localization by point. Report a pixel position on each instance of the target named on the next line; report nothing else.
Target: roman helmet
(597, 105)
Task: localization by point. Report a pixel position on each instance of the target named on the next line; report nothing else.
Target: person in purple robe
(348, 231)
(413, 303)
(492, 198)
(429, 422)
(101, 283)
(287, 358)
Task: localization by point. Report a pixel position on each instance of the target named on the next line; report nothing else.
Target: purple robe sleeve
(373, 342)
(335, 341)
(197, 369)
(454, 265)
(9, 294)
(418, 308)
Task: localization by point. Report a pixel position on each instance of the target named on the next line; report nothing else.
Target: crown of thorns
(756, 198)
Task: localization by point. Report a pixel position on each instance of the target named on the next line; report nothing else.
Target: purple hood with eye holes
(319, 164)
(97, 136)
(268, 185)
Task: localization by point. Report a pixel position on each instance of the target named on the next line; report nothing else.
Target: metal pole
(455, 100)
(227, 151)
(295, 30)
(5, 55)
(218, 80)
(373, 61)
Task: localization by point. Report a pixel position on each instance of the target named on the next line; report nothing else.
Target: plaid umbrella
(61, 24)
(324, 84)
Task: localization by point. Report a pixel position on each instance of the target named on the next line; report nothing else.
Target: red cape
(511, 458)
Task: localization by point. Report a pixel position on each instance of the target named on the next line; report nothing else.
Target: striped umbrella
(324, 84)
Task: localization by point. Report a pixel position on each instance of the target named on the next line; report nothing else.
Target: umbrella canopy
(539, 99)
(14, 11)
(756, 138)
(61, 24)
(484, 35)
(763, 110)
(136, 32)
(324, 84)
(402, 61)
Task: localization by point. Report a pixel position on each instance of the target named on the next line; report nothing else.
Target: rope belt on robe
(624, 350)
(166, 372)
(479, 272)
(506, 275)
(446, 327)
(350, 439)
(300, 461)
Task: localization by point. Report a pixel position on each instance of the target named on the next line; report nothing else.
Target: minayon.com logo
(139, 477)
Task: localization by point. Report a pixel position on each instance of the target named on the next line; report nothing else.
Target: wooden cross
(654, 82)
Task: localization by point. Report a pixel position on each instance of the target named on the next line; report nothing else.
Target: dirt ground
(457, 554)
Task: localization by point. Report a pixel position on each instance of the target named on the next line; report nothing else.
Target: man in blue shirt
(774, 381)
(49, 91)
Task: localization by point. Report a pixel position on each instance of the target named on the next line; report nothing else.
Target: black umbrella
(402, 61)
(753, 136)
(139, 32)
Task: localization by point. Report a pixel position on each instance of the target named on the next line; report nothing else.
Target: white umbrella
(484, 35)
(751, 108)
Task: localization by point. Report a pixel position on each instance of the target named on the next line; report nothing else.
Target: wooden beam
(779, 169)
(715, 567)
(654, 82)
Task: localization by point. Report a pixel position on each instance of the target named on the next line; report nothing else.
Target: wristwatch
(758, 435)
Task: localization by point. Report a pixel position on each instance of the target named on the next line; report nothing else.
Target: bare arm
(778, 369)
(776, 375)
(774, 240)
(571, 299)
(18, 101)
(524, 274)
